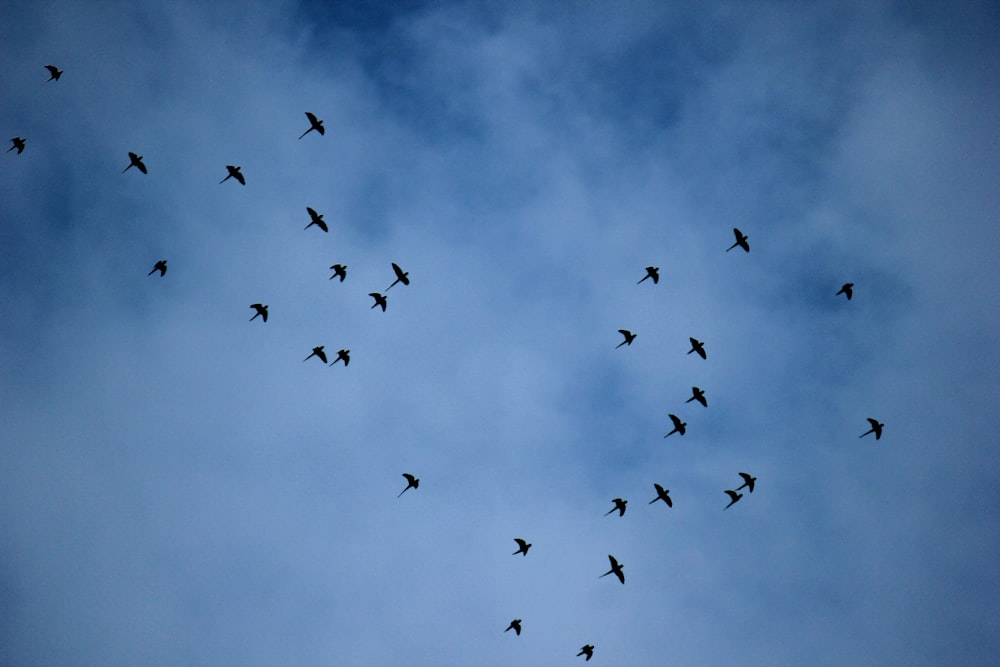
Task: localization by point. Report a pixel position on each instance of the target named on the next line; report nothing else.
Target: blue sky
(178, 487)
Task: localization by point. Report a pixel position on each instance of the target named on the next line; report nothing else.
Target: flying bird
(679, 426)
(54, 73)
(401, 276)
(515, 625)
(616, 568)
(234, 172)
(733, 498)
(698, 395)
(741, 241)
(135, 161)
(261, 311)
(629, 337)
(662, 494)
(748, 481)
(18, 143)
(317, 352)
(619, 505)
(697, 346)
(316, 219)
(651, 272)
(587, 650)
(847, 289)
(315, 124)
(342, 355)
(160, 266)
(380, 300)
(411, 483)
(522, 547)
(876, 428)
(339, 270)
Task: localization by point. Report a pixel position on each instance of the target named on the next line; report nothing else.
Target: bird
(411, 483)
(587, 650)
(316, 219)
(679, 426)
(54, 73)
(698, 395)
(697, 346)
(522, 547)
(515, 625)
(18, 143)
(741, 241)
(747, 482)
(261, 311)
(616, 568)
(847, 289)
(733, 498)
(629, 337)
(317, 352)
(339, 270)
(619, 505)
(876, 428)
(315, 124)
(234, 172)
(160, 266)
(380, 300)
(651, 272)
(135, 161)
(401, 276)
(342, 355)
(662, 494)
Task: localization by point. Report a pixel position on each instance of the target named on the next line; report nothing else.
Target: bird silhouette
(662, 494)
(401, 276)
(587, 650)
(847, 289)
(339, 270)
(679, 426)
(342, 355)
(18, 143)
(616, 569)
(315, 124)
(619, 505)
(234, 172)
(515, 625)
(160, 266)
(697, 346)
(734, 496)
(411, 483)
(317, 352)
(316, 219)
(698, 395)
(651, 272)
(522, 547)
(261, 311)
(54, 73)
(741, 241)
(135, 161)
(748, 481)
(876, 428)
(629, 337)
(380, 300)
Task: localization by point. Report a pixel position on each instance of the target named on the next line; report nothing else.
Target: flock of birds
(380, 301)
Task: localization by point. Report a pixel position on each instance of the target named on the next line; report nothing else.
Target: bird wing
(313, 214)
(746, 478)
(873, 422)
(733, 495)
(520, 542)
(614, 563)
(142, 167)
(399, 272)
(312, 118)
(52, 69)
(676, 420)
(239, 177)
(409, 478)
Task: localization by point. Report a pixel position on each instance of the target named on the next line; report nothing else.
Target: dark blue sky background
(178, 487)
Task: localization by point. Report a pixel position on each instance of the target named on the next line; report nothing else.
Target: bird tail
(731, 247)
(305, 133)
(403, 491)
(126, 169)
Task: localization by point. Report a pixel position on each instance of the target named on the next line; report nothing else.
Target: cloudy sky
(178, 488)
